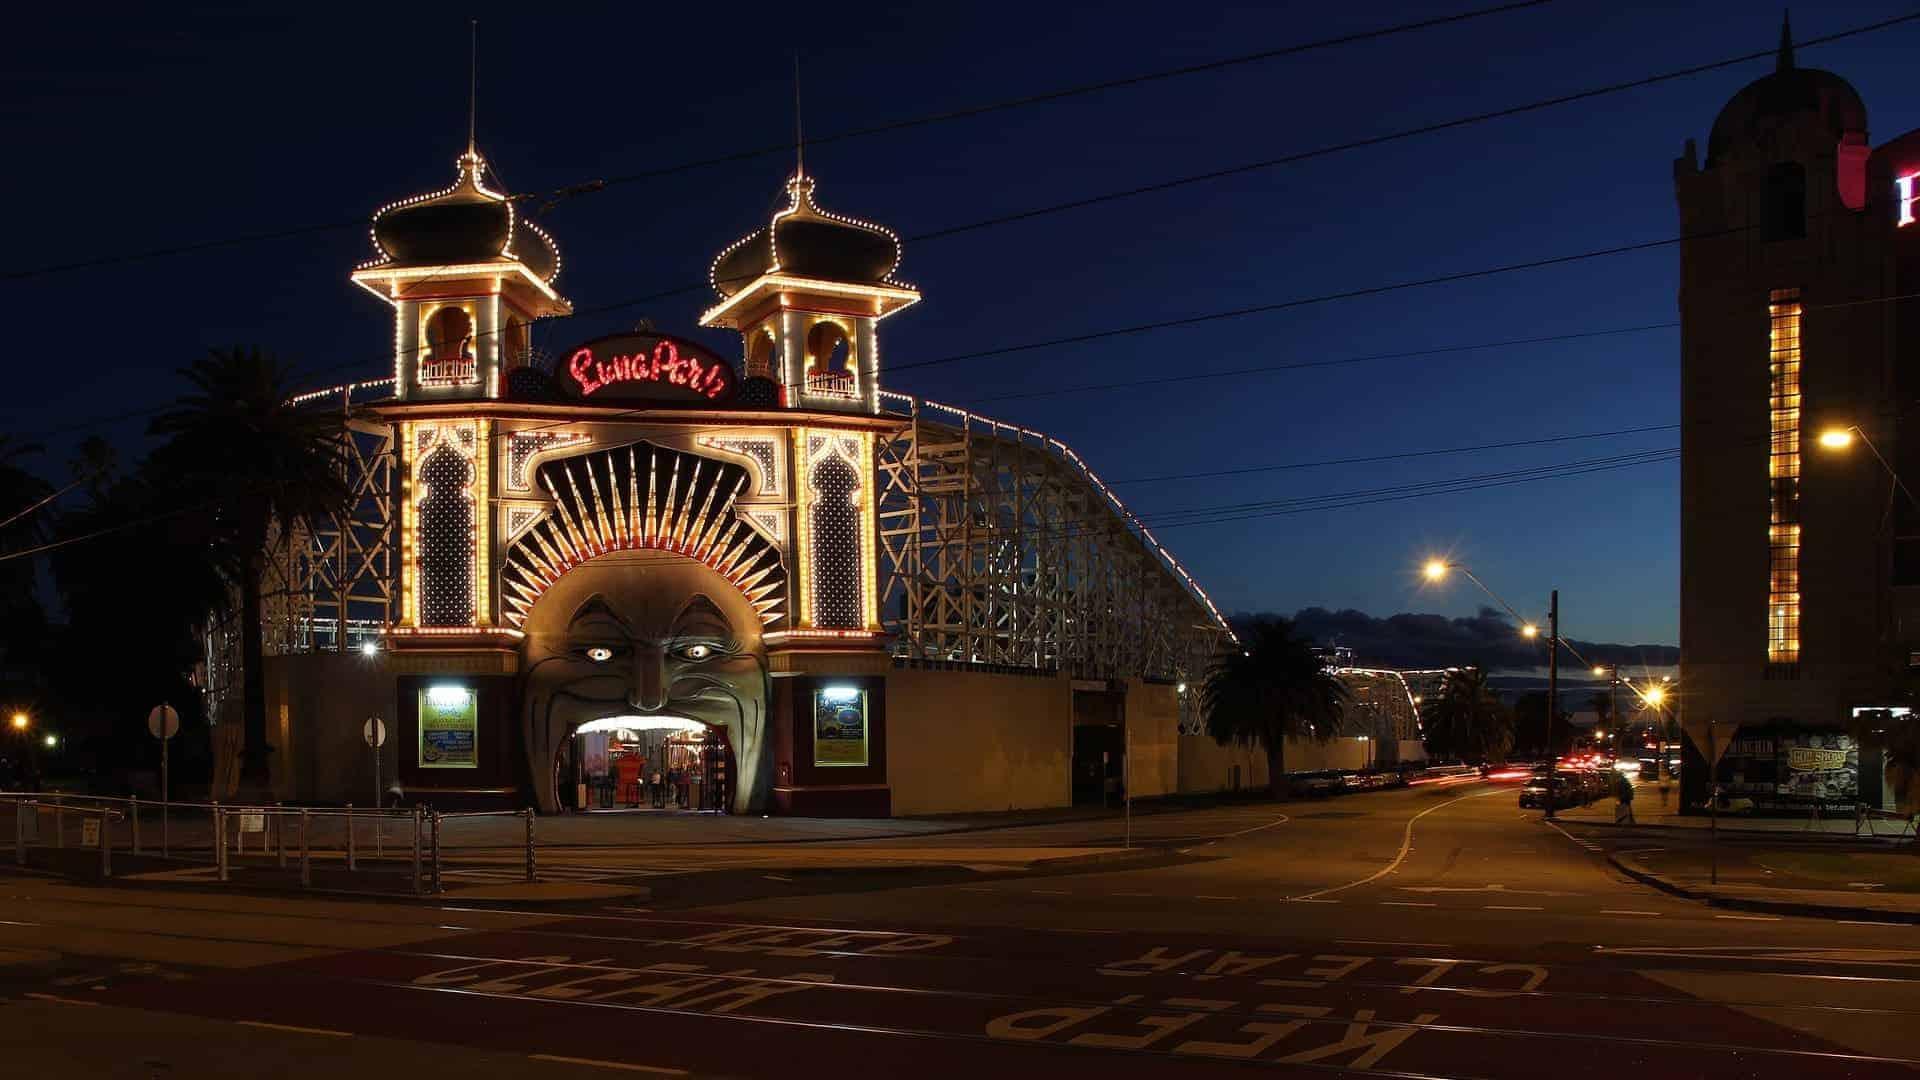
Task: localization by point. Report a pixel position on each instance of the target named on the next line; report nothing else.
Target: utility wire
(786, 148)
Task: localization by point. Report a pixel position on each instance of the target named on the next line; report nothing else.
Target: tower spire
(473, 81)
(799, 130)
(1783, 61)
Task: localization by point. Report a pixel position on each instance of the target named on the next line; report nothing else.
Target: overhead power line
(787, 148)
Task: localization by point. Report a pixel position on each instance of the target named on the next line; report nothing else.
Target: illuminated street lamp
(51, 740)
(1841, 439)
(20, 721)
(1436, 569)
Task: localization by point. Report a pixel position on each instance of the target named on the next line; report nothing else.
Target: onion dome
(465, 223)
(1762, 104)
(806, 241)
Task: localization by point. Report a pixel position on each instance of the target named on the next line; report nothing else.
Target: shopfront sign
(840, 726)
(449, 727)
(648, 368)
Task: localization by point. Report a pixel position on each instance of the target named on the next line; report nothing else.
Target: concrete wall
(1153, 734)
(316, 706)
(1205, 765)
(960, 741)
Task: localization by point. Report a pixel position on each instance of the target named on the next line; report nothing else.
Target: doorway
(645, 764)
(1099, 747)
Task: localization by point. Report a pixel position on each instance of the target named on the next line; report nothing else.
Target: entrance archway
(633, 763)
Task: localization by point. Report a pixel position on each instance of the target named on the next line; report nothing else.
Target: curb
(1632, 868)
(1778, 834)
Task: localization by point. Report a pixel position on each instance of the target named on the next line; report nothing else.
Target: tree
(1273, 687)
(1468, 721)
(248, 466)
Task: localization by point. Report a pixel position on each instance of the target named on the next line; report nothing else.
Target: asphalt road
(1434, 932)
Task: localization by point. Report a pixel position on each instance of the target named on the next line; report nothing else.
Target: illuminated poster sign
(1903, 196)
(840, 725)
(648, 368)
(449, 727)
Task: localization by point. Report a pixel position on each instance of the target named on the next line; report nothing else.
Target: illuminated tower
(807, 292)
(467, 274)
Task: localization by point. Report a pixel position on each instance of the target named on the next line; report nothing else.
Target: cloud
(1430, 641)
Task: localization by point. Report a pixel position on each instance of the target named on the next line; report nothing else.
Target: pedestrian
(673, 782)
(1623, 811)
(659, 792)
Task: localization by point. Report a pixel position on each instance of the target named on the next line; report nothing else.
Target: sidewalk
(1808, 880)
(1652, 810)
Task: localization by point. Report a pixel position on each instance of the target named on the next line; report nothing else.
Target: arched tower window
(517, 342)
(834, 525)
(830, 366)
(446, 540)
(1784, 202)
(760, 354)
(449, 354)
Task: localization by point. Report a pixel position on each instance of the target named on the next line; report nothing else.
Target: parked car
(1568, 789)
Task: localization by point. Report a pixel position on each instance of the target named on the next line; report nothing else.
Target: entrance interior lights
(839, 695)
(448, 696)
(640, 723)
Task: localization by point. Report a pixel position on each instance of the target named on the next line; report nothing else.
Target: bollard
(436, 852)
(220, 840)
(351, 864)
(20, 831)
(306, 867)
(280, 834)
(529, 813)
(106, 843)
(59, 823)
(416, 849)
(136, 824)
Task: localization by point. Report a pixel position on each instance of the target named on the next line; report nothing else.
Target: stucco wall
(1153, 732)
(960, 741)
(1205, 765)
(316, 706)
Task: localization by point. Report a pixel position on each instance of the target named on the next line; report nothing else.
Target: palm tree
(1469, 720)
(247, 464)
(1274, 687)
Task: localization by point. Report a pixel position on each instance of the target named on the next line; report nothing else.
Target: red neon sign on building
(1904, 196)
(649, 367)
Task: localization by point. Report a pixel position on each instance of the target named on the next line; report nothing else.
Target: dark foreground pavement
(1431, 932)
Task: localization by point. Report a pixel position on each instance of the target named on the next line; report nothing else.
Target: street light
(1841, 438)
(1436, 569)
(51, 740)
(20, 721)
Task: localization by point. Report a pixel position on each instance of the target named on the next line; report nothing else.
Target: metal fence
(336, 849)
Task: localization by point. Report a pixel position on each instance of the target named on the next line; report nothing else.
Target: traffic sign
(374, 731)
(163, 721)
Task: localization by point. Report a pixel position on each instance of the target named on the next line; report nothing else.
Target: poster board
(840, 726)
(449, 728)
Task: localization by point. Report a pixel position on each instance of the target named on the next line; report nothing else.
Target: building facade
(1799, 268)
(756, 569)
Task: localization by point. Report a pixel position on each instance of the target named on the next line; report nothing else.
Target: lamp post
(1841, 438)
(1436, 570)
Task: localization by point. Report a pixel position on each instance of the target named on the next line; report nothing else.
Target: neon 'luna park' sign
(647, 367)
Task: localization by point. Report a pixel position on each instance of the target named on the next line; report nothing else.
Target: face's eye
(697, 651)
(599, 654)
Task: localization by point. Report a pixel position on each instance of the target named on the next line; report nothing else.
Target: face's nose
(648, 692)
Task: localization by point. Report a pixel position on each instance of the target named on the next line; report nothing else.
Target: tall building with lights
(1800, 559)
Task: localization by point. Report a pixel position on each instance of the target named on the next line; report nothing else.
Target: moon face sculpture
(650, 636)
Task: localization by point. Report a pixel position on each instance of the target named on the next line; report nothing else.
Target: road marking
(1513, 907)
(1281, 820)
(61, 1000)
(295, 1028)
(1867, 922)
(1308, 900)
(1203, 896)
(1048, 892)
(656, 1070)
(1626, 911)
(1408, 903)
(1406, 845)
(774, 877)
(1751, 918)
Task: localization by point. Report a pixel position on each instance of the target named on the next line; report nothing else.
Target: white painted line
(295, 1028)
(621, 1065)
(1751, 918)
(1048, 892)
(61, 1000)
(1205, 897)
(1281, 820)
(1308, 900)
(1849, 922)
(1514, 907)
(1406, 845)
(1407, 903)
(1626, 911)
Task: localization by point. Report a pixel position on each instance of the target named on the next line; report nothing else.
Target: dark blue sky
(144, 130)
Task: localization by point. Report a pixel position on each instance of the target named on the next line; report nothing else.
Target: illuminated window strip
(1783, 471)
(1067, 454)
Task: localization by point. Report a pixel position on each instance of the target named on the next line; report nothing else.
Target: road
(1432, 932)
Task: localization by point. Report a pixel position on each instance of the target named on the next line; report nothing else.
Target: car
(1569, 789)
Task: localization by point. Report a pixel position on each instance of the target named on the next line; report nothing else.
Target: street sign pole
(164, 723)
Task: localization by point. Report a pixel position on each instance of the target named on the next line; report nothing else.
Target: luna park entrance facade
(620, 765)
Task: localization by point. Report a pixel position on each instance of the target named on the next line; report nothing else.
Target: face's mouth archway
(617, 724)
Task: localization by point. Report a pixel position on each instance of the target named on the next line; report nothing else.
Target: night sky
(150, 129)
